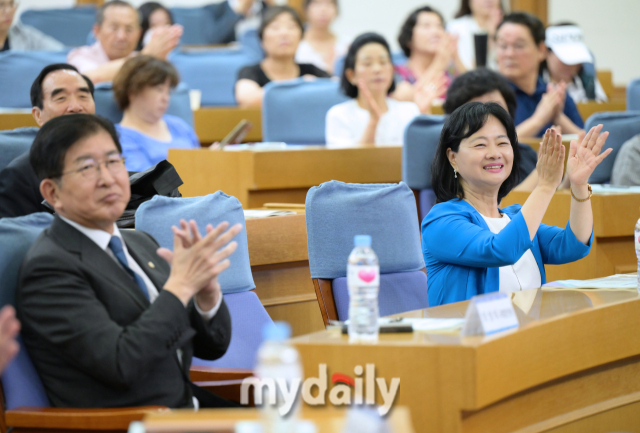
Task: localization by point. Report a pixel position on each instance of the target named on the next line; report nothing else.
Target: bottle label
(363, 276)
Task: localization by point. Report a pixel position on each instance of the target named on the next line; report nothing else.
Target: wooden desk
(283, 176)
(214, 123)
(327, 420)
(16, 120)
(280, 267)
(586, 109)
(614, 217)
(574, 366)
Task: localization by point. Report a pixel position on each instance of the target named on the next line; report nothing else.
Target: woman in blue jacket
(470, 245)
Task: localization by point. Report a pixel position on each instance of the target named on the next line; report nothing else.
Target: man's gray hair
(104, 7)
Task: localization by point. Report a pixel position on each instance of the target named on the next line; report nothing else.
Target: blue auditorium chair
(338, 211)
(69, 26)
(106, 105)
(213, 72)
(633, 95)
(420, 142)
(248, 316)
(621, 125)
(15, 142)
(18, 69)
(294, 111)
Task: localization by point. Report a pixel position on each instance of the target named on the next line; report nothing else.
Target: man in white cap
(570, 60)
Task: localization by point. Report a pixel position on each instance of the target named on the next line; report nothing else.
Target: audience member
(371, 116)
(118, 31)
(9, 328)
(280, 32)
(320, 46)
(625, 168)
(59, 89)
(476, 17)
(152, 15)
(470, 245)
(520, 51)
(432, 54)
(130, 316)
(21, 37)
(230, 19)
(142, 90)
(566, 57)
(484, 85)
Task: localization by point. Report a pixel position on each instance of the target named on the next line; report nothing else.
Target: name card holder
(488, 314)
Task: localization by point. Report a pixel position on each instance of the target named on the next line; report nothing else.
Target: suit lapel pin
(151, 265)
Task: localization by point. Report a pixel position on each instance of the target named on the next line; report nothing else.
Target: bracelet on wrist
(581, 200)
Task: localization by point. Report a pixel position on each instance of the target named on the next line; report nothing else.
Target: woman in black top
(280, 32)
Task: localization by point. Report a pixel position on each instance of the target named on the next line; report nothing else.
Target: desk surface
(574, 361)
(327, 420)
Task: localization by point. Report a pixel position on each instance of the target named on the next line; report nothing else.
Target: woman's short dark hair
(274, 12)
(465, 8)
(406, 31)
(476, 83)
(463, 123)
(54, 139)
(350, 61)
(37, 98)
(532, 22)
(140, 72)
(145, 11)
(308, 2)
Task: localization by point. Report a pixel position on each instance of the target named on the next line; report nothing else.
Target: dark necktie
(115, 244)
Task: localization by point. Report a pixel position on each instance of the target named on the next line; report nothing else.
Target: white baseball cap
(567, 42)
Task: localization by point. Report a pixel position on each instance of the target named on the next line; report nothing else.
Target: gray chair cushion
(420, 143)
(633, 95)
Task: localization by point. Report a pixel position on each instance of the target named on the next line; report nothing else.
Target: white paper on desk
(606, 189)
(618, 281)
(249, 214)
(423, 324)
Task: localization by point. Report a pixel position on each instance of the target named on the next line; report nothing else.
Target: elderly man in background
(117, 31)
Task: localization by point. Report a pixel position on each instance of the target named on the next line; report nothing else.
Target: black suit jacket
(95, 339)
(20, 189)
(223, 20)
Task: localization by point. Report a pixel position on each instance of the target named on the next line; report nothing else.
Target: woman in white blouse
(320, 46)
(476, 17)
(370, 117)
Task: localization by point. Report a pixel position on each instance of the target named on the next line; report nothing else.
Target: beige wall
(612, 27)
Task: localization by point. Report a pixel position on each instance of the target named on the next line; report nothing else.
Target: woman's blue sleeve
(136, 158)
(455, 240)
(559, 246)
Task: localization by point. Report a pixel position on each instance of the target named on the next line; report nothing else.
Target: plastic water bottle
(277, 359)
(363, 280)
(636, 236)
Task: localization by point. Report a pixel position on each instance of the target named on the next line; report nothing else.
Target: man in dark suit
(59, 89)
(106, 319)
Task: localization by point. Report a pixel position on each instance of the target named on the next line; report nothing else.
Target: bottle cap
(362, 240)
(276, 331)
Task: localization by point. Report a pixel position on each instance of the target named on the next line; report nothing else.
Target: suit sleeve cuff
(208, 315)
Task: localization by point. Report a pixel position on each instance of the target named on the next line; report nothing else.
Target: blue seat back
(248, 316)
(69, 26)
(337, 211)
(15, 142)
(106, 105)
(20, 381)
(420, 143)
(622, 125)
(633, 95)
(18, 69)
(213, 72)
(295, 111)
(251, 41)
(194, 21)
(157, 215)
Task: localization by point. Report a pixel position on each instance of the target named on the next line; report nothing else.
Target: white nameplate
(488, 314)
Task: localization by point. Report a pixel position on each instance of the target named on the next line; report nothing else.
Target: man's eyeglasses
(91, 168)
(6, 6)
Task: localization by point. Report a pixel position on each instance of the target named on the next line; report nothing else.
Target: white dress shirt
(102, 238)
(523, 274)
